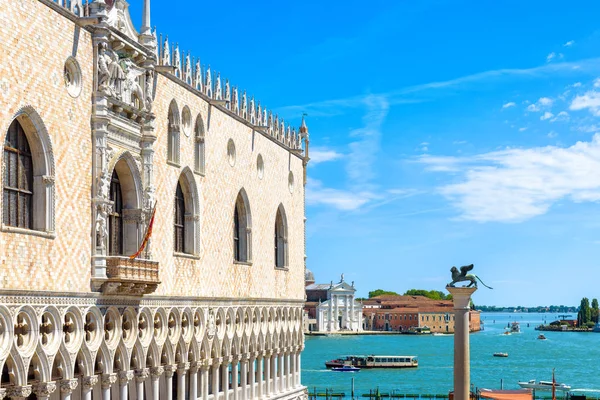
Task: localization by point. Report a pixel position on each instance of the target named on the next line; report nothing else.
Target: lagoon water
(575, 357)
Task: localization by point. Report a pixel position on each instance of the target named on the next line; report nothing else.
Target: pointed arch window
(115, 217)
(242, 232)
(179, 222)
(280, 239)
(173, 134)
(18, 179)
(199, 160)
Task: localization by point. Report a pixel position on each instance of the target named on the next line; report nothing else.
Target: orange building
(403, 313)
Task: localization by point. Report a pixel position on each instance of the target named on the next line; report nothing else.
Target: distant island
(536, 309)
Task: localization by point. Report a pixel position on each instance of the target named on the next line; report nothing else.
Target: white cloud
(344, 200)
(550, 57)
(569, 43)
(552, 134)
(561, 116)
(577, 84)
(589, 100)
(319, 155)
(517, 184)
(547, 115)
(522, 129)
(509, 104)
(542, 103)
(545, 101)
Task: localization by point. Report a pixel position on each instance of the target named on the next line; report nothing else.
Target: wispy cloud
(509, 104)
(590, 100)
(569, 43)
(469, 82)
(320, 155)
(550, 57)
(366, 144)
(345, 200)
(517, 184)
(546, 115)
(561, 116)
(541, 104)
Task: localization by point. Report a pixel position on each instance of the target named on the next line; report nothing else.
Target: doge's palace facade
(106, 129)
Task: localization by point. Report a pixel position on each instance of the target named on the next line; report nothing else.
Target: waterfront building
(109, 132)
(331, 307)
(406, 313)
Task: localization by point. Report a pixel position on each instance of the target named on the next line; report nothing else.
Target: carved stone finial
(198, 76)
(188, 70)
(244, 106)
(208, 83)
(166, 56)
(218, 95)
(259, 115)
(177, 61)
(252, 115)
(235, 106)
(228, 94)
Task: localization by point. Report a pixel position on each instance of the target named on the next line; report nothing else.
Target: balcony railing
(130, 277)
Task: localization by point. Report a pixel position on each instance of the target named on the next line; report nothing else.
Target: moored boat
(541, 337)
(500, 354)
(543, 385)
(345, 368)
(374, 361)
(515, 327)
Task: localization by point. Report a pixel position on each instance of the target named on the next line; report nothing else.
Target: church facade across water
(119, 144)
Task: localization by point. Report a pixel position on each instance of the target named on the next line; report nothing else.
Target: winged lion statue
(463, 276)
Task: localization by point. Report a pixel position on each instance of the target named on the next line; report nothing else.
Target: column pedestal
(461, 296)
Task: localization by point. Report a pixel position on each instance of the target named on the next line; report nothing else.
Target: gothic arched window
(18, 179)
(199, 161)
(179, 220)
(280, 239)
(115, 220)
(173, 134)
(242, 232)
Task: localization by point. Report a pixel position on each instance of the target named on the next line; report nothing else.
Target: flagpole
(146, 235)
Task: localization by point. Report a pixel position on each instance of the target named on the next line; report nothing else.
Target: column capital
(461, 296)
(183, 367)
(68, 385)
(89, 382)
(194, 367)
(156, 372)
(170, 370)
(142, 374)
(125, 377)
(44, 389)
(19, 391)
(227, 359)
(108, 380)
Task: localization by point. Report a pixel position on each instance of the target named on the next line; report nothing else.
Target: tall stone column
(181, 372)
(140, 378)
(124, 378)
(66, 388)
(155, 374)
(461, 296)
(280, 371)
(215, 377)
(336, 323)
(44, 390)
(259, 374)
(169, 372)
(204, 380)
(88, 385)
(267, 367)
(194, 382)
(225, 377)
(273, 360)
(330, 318)
(244, 376)
(107, 381)
(234, 376)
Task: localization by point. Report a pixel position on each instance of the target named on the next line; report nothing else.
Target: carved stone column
(88, 384)
(244, 375)
(259, 364)
(267, 367)
(43, 390)
(19, 392)
(225, 376)
(107, 381)
(147, 145)
(193, 382)
(66, 388)
(124, 378)
(182, 370)
(204, 379)
(140, 378)
(216, 366)
(461, 296)
(155, 374)
(234, 376)
(169, 372)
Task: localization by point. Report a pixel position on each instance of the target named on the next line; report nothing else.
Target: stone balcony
(130, 277)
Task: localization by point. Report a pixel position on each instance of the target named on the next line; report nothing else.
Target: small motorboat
(506, 333)
(544, 385)
(500, 354)
(541, 337)
(346, 368)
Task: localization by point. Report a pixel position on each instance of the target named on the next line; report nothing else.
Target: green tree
(431, 294)
(585, 313)
(595, 310)
(380, 292)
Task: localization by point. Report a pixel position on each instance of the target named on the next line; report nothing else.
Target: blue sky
(442, 133)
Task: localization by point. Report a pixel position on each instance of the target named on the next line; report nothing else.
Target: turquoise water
(575, 357)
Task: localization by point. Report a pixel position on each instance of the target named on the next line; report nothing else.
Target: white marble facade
(340, 312)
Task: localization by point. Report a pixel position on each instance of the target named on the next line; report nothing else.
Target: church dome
(309, 276)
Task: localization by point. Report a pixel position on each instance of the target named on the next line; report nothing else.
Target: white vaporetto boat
(543, 385)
